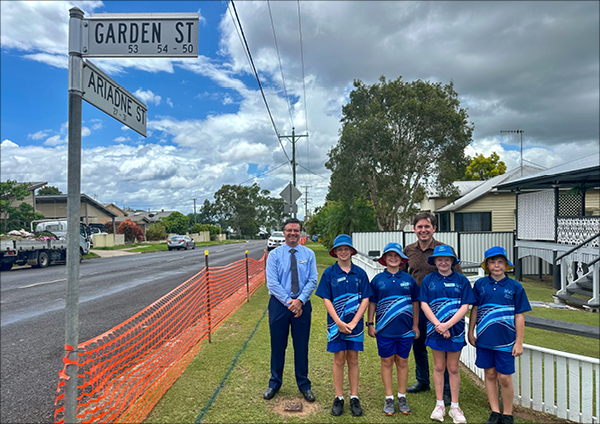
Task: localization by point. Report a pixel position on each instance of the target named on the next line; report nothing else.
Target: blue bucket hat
(392, 247)
(496, 251)
(342, 240)
(442, 250)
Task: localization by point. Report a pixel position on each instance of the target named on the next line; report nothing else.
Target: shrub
(156, 231)
(131, 231)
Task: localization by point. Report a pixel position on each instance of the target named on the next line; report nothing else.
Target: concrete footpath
(112, 253)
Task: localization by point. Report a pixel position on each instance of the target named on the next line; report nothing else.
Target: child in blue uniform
(445, 297)
(498, 314)
(394, 301)
(345, 290)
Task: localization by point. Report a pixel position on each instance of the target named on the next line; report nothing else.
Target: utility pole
(306, 200)
(195, 211)
(293, 141)
(518, 132)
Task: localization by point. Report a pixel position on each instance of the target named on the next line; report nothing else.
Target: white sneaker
(457, 415)
(438, 413)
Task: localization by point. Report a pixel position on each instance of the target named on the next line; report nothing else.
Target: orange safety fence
(303, 240)
(124, 372)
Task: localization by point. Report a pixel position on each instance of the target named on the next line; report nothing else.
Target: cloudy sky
(515, 65)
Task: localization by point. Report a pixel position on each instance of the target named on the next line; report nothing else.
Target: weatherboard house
(558, 221)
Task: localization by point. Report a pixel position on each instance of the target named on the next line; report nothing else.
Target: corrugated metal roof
(591, 163)
(488, 187)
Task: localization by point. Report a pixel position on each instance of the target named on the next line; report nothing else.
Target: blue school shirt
(497, 304)
(394, 295)
(346, 291)
(445, 295)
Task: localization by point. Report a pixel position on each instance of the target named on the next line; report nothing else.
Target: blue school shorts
(503, 361)
(445, 345)
(389, 347)
(340, 345)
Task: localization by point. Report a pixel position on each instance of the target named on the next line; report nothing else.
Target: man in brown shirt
(424, 225)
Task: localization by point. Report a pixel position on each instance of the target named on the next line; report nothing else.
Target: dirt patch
(277, 405)
(518, 411)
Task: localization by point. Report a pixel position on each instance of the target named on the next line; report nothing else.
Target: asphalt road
(32, 318)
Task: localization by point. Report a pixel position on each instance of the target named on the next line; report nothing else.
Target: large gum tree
(398, 137)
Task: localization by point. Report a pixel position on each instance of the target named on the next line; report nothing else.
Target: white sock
(390, 397)
(454, 405)
(340, 397)
(400, 395)
(440, 402)
(353, 397)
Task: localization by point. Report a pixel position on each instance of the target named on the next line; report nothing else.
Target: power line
(303, 84)
(257, 78)
(312, 171)
(280, 67)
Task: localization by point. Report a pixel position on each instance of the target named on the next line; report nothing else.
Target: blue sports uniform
(497, 304)
(394, 295)
(445, 295)
(346, 291)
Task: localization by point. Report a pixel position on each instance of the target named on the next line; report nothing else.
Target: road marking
(41, 284)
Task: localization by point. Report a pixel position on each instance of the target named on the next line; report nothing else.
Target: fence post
(555, 271)
(208, 296)
(247, 282)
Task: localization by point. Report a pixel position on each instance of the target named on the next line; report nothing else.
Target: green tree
(16, 216)
(337, 217)
(176, 223)
(482, 168)
(156, 231)
(235, 205)
(48, 190)
(396, 137)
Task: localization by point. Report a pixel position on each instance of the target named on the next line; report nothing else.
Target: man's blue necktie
(294, 269)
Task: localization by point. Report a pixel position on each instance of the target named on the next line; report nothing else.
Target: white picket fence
(546, 380)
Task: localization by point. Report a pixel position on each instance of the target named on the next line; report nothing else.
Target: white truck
(37, 253)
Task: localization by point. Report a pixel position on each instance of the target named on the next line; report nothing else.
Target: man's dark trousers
(280, 321)
(421, 359)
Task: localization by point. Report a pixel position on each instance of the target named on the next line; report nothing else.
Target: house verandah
(558, 221)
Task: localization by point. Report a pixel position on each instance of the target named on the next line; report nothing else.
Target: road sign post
(290, 195)
(106, 35)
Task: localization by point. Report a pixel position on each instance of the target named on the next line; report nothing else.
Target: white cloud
(7, 144)
(55, 140)
(169, 102)
(85, 131)
(38, 135)
(147, 96)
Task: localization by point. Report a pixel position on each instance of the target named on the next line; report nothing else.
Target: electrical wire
(304, 85)
(258, 79)
(287, 99)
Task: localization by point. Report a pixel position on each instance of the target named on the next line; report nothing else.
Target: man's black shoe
(417, 387)
(269, 393)
(507, 419)
(308, 395)
(338, 407)
(355, 408)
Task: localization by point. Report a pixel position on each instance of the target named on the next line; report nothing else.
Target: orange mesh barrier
(124, 372)
(303, 240)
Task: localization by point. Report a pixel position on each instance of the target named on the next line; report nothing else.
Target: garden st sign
(103, 92)
(140, 35)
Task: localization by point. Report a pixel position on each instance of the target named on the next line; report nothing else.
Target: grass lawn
(225, 381)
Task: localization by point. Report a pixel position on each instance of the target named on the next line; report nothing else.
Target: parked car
(181, 242)
(97, 228)
(276, 240)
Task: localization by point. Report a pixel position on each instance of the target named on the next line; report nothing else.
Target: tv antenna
(517, 132)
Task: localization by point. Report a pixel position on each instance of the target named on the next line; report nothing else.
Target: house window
(443, 221)
(473, 221)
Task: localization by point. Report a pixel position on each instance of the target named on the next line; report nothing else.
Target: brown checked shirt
(417, 265)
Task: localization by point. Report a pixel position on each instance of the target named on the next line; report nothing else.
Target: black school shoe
(495, 418)
(338, 407)
(355, 408)
(507, 419)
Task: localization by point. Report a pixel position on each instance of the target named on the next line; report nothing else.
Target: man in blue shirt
(291, 279)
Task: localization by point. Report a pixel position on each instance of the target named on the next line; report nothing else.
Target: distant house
(558, 221)
(480, 206)
(30, 198)
(55, 206)
(114, 208)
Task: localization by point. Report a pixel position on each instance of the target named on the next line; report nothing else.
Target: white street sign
(140, 35)
(290, 194)
(102, 91)
(287, 208)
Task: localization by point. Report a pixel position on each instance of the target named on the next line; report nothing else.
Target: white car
(276, 240)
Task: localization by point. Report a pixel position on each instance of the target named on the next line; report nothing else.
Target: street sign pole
(73, 213)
